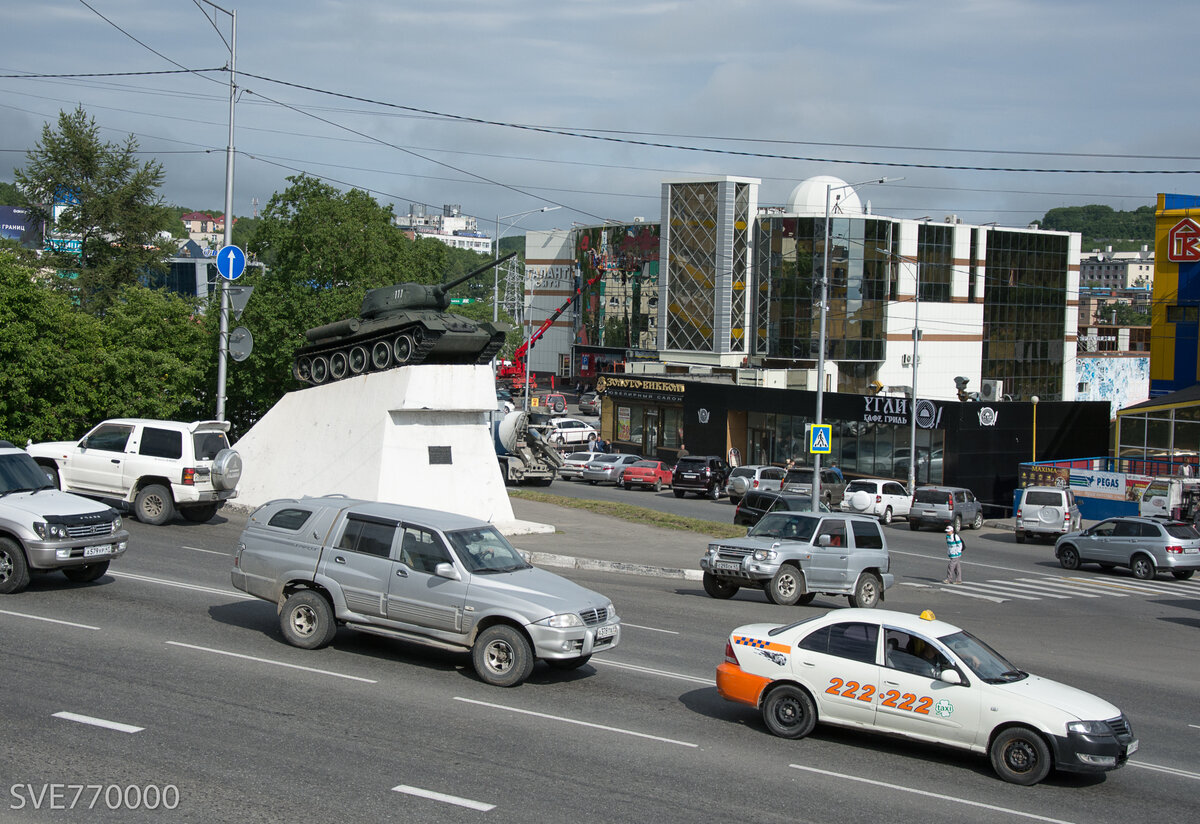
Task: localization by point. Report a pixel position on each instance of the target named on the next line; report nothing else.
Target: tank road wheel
(358, 360)
(381, 355)
(303, 370)
(339, 365)
(403, 349)
(319, 370)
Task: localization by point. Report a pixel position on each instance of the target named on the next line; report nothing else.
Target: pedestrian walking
(954, 549)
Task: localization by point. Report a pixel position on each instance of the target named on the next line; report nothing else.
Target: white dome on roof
(808, 198)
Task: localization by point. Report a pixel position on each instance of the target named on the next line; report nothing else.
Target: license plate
(103, 549)
(928, 512)
(727, 565)
(1191, 550)
(1132, 748)
(688, 477)
(605, 632)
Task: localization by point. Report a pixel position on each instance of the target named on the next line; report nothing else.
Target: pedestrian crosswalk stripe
(989, 588)
(1064, 585)
(1121, 586)
(958, 590)
(999, 590)
(1042, 591)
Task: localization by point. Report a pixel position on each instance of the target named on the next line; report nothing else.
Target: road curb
(571, 562)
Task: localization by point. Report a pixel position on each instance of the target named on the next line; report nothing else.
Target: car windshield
(742, 472)
(19, 473)
(484, 551)
(984, 661)
(799, 476)
(786, 525)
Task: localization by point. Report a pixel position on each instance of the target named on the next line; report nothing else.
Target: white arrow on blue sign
(231, 262)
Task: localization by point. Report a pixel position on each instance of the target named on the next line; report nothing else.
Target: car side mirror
(447, 570)
(83, 444)
(824, 540)
(950, 676)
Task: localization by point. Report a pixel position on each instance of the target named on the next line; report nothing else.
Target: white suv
(876, 496)
(158, 467)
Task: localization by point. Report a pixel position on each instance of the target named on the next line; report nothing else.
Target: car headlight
(612, 611)
(712, 549)
(765, 555)
(50, 532)
(1089, 728)
(116, 523)
(563, 621)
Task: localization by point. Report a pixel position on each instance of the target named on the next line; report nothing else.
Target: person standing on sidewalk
(954, 548)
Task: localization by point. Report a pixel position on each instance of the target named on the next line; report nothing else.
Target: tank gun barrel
(442, 288)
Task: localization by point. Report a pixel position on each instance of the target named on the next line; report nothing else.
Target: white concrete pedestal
(418, 435)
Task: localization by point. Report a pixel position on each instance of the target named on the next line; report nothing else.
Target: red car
(646, 473)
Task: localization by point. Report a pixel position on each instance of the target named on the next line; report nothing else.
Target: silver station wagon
(436, 578)
(1145, 545)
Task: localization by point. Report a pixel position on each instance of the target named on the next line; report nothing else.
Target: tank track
(494, 346)
(305, 367)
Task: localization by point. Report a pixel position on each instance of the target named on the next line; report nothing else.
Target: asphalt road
(247, 728)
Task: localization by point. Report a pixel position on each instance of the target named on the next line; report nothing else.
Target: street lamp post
(496, 253)
(829, 190)
(1034, 401)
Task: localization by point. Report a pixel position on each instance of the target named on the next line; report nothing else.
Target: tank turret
(400, 325)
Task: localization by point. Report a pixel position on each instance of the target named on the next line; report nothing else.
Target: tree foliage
(1126, 314)
(1099, 223)
(111, 201)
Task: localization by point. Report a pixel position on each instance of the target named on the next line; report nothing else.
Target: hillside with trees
(1104, 226)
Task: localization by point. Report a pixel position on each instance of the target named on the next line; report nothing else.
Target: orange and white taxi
(921, 678)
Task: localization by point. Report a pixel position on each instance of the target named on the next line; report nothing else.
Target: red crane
(514, 371)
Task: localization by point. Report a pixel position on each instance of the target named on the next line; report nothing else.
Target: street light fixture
(496, 253)
(829, 190)
(1034, 401)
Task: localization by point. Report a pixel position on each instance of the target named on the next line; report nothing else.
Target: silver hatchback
(1144, 545)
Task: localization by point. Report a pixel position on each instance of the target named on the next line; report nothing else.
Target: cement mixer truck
(524, 450)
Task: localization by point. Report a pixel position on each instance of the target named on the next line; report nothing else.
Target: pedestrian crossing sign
(820, 438)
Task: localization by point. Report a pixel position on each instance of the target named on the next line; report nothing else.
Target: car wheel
(14, 570)
(786, 587)
(1142, 567)
(678, 493)
(719, 587)
(1068, 557)
(789, 712)
(154, 505)
(558, 440)
(867, 592)
(978, 522)
(87, 572)
(306, 620)
(568, 663)
(593, 483)
(658, 484)
(886, 517)
(914, 525)
(714, 493)
(198, 514)
(1182, 574)
(957, 523)
(52, 476)
(502, 656)
(1020, 537)
(1020, 756)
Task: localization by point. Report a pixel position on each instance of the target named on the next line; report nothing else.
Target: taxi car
(920, 678)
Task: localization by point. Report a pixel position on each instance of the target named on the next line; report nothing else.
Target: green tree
(1125, 314)
(10, 195)
(112, 206)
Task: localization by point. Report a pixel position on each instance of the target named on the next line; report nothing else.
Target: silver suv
(42, 529)
(753, 478)
(1144, 545)
(942, 506)
(1046, 511)
(419, 575)
(793, 556)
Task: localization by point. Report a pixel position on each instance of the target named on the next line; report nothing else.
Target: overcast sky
(780, 91)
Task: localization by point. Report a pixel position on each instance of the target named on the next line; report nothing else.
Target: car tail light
(707, 472)
(950, 502)
(878, 499)
(1175, 550)
(755, 484)
(189, 476)
(1067, 520)
(730, 658)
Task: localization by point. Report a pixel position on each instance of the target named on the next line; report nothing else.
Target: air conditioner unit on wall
(991, 390)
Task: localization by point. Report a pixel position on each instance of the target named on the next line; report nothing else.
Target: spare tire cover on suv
(226, 469)
(861, 500)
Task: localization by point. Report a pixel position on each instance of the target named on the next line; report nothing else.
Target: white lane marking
(1168, 770)
(578, 723)
(1073, 587)
(957, 591)
(965, 563)
(1196, 726)
(650, 629)
(989, 588)
(927, 794)
(448, 799)
(269, 661)
(208, 551)
(47, 620)
(98, 722)
(1053, 585)
(1044, 593)
(1140, 587)
(230, 593)
(1088, 586)
(709, 682)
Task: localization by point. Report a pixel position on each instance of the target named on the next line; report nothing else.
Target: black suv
(706, 475)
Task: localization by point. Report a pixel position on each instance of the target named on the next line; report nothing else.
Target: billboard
(17, 224)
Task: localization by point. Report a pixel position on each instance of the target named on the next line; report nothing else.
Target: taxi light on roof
(928, 615)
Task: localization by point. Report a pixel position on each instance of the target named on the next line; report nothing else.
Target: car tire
(1020, 537)
(593, 483)
(978, 522)
(198, 514)
(52, 475)
(886, 517)
(307, 620)
(502, 656)
(566, 664)
(1142, 567)
(719, 587)
(915, 526)
(714, 493)
(789, 712)
(868, 592)
(1068, 557)
(154, 505)
(658, 484)
(1182, 574)
(957, 523)
(786, 586)
(1020, 756)
(86, 573)
(14, 569)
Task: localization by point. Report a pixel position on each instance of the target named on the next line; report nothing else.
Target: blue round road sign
(231, 262)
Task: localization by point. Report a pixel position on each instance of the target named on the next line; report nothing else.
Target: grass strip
(636, 514)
